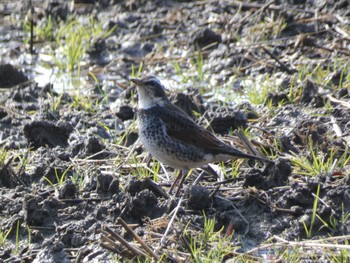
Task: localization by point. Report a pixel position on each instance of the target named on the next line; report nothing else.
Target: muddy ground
(70, 165)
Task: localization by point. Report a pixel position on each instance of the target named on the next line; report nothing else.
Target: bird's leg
(175, 181)
(184, 175)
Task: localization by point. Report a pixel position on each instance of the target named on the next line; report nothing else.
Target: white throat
(147, 102)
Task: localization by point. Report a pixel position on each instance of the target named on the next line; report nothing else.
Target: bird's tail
(236, 153)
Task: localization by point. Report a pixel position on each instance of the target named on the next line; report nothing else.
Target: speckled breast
(153, 135)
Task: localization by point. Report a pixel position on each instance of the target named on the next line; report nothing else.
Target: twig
(283, 66)
(336, 127)
(125, 243)
(336, 238)
(110, 244)
(42, 227)
(137, 238)
(343, 103)
(171, 222)
(274, 208)
(283, 242)
(342, 32)
(245, 5)
(165, 172)
(332, 168)
(310, 244)
(316, 19)
(157, 188)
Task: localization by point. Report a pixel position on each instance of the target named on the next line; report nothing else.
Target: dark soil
(68, 170)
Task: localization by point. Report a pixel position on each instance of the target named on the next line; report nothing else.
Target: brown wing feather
(181, 127)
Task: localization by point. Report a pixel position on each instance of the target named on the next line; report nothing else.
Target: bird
(171, 136)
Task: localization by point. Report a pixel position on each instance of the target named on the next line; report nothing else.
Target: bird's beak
(137, 81)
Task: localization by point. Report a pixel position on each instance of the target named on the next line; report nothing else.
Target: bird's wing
(181, 127)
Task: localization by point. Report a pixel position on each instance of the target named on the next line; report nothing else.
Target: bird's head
(151, 92)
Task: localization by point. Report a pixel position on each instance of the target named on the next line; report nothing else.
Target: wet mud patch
(43, 133)
(10, 76)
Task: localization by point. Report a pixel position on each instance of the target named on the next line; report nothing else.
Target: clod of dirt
(137, 49)
(93, 146)
(254, 178)
(198, 198)
(275, 98)
(135, 186)
(310, 128)
(280, 172)
(7, 178)
(287, 144)
(101, 212)
(297, 196)
(275, 174)
(145, 204)
(52, 253)
(301, 198)
(231, 221)
(25, 97)
(335, 77)
(342, 94)
(99, 131)
(309, 92)
(206, 37)
(10, 76)
(56, 9)
(36, 236)
(3, 113)
(72, 238)
(187, 103)
(106, 183)
(248, 109)
(68, 190)
(40, 212)
(130, 138)
(97, 49)
(125, 112)
(5, 253)
(44, 133)
(222, 120)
